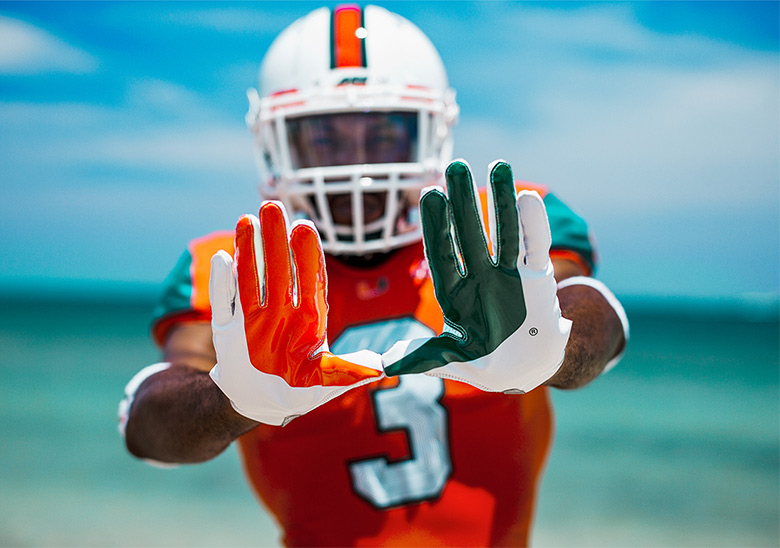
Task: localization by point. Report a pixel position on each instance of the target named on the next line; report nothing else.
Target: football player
(379, 347)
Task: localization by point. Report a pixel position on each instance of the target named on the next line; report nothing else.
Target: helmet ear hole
(388, 70)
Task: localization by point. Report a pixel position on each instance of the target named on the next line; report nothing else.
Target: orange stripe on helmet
(347, 44)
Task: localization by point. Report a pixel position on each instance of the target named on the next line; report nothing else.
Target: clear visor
(352, 138)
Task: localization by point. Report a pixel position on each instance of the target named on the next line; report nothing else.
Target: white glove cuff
(613, 302)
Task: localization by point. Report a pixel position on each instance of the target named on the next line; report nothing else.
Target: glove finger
(467, 215)
(250, 267)
(439, 246)
(311, 280)
(534, 231)
(502, 215)
(222, 288)
(278, 280)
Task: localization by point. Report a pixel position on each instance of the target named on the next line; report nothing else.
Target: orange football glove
(269, 316)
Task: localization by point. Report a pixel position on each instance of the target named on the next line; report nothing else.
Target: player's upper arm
(565, 268)
(190, 344)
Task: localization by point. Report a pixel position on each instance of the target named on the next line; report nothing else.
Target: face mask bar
(305, 191)
(399, 184)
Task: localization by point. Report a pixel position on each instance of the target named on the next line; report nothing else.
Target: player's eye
(322, 140)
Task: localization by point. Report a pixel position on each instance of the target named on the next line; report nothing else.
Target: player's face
(350, 139)
(353, 138)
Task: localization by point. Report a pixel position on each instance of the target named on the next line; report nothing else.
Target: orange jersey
(409, 461)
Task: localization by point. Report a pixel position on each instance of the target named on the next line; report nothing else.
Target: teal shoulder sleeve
(177, 290)
(569, 230)
(185, 295)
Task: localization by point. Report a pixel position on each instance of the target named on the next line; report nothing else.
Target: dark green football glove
(503, 325)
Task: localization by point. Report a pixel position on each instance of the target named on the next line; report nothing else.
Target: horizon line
(756, 306)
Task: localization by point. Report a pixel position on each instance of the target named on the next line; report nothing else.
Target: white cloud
(167, 103)
(611, 132)
(668, 145)
(27, 50)
(256, 19)
(132, 137)
(221, 149)
(695, 135)
(624, 123)
(613, 31)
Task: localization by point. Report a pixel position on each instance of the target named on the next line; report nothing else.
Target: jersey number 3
(413, 405)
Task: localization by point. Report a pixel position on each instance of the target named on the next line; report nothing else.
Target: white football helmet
(343, 66)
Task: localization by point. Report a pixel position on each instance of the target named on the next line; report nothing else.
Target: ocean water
(678, 446)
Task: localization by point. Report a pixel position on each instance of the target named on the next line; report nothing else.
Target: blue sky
(122, 134)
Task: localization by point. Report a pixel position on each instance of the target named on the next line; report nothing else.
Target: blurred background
(122, 137)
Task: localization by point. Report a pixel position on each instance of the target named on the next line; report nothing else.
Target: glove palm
(269, 313)
(503, 327)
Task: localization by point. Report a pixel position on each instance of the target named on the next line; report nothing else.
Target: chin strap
(613, 302)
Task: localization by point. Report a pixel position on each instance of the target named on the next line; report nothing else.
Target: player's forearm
(597, 336)
(180, 416)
